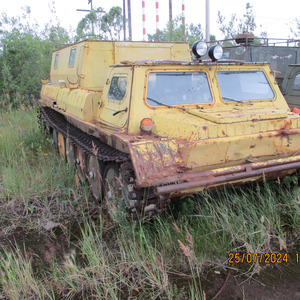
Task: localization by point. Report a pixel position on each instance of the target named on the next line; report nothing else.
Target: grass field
(57, 243)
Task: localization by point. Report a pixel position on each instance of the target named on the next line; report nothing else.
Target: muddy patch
(274, 282)
(42, 248)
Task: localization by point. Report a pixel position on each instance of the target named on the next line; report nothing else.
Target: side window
(297, 82)
(72, 57)
(117, 89)
(56, 61)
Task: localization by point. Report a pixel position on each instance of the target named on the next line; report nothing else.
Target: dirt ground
(275, 282)
(279, 281)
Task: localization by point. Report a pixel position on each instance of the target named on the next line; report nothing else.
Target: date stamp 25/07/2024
(264, 258)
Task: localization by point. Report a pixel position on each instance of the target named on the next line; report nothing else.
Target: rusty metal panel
(155, 160)
(240, 115)
(164, 161)
(232, 176)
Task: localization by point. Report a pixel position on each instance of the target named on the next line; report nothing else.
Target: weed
(17, 280)
(34, 182)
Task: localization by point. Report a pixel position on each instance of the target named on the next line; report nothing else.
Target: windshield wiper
(163, 104)
(183, 108)
(236, 100)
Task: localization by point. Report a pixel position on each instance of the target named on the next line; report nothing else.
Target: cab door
(116, 98)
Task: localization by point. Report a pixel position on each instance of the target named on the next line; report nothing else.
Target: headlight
(215, 52)
(199, 48)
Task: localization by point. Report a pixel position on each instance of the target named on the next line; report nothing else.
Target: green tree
(112, 23)
(90, 25)
(25, 56)
(235, 25)
(178, 32)
(98, 24)
(247, 23)
(56, 35)
(295, 30)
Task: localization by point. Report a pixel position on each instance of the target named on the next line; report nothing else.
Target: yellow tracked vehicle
(143, 123)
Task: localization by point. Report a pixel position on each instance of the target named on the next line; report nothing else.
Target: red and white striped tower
(183, 13)
(144, 20)
(157, 15)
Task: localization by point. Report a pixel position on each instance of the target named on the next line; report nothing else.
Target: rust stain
(287, 124)
(285, 134)
(275, 168)
(226, 153)
(282, 134)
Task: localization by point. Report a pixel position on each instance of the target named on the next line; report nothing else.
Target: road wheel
(70, 153)
(117, 193)
(113, 190)
(61, 144)
(94, 177)
(80, 163)
(112, 182)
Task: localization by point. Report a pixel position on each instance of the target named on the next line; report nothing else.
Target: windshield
(178, 88)
(244, 86)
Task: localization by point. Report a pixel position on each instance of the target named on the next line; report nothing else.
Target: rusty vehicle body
(158, 125)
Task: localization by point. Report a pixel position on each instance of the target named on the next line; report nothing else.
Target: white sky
(276, 17)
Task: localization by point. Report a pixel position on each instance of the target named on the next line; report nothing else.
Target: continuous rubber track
(88, 143)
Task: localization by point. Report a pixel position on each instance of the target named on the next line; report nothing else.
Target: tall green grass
(119, 265)
(34, 180)
(29, 166)
(17, 279)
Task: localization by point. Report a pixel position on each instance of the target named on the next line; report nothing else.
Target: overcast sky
(276, 17)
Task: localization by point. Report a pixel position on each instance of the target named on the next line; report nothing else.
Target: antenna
(89, 1)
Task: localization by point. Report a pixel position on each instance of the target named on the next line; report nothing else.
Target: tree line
(26, 49)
